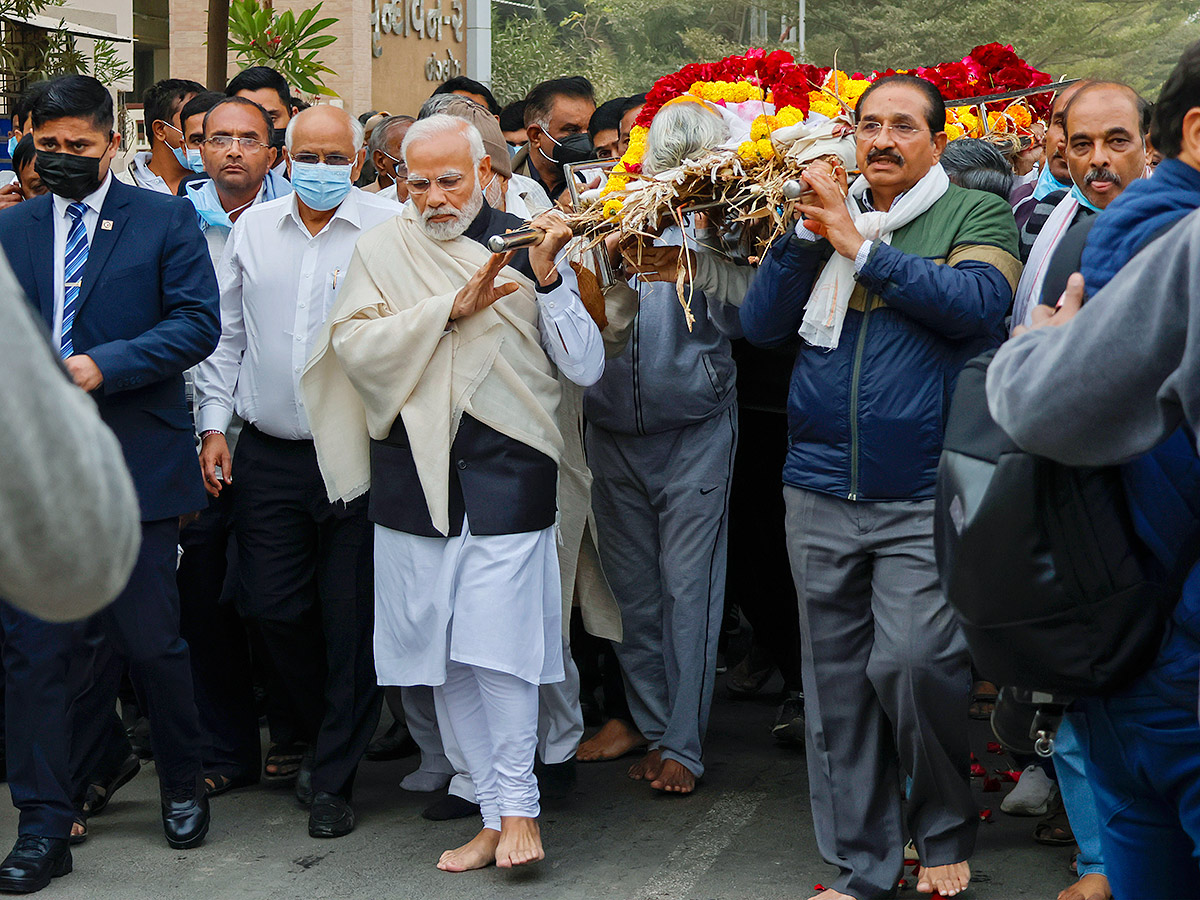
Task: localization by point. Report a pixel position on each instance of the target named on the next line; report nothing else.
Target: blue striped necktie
(77, 252)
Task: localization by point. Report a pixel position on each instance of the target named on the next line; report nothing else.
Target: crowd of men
(504, 502)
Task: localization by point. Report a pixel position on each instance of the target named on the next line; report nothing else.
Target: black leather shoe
(185, 819)
(450, 807)
(330, 816)
(33, 862)
(304, 786)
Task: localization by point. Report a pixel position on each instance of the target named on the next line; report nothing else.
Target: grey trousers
(662, 507)
(886, 687)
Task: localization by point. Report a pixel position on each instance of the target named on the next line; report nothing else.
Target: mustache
(884, 153)
(1108, 175)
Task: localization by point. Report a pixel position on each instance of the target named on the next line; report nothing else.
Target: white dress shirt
(62, 228)
(389, 193)
(568, 334)
(278, 283)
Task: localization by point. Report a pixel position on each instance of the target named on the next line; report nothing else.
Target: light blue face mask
(12, 145)
(208, 206)
(190, 159)
(1081, 198)
(319, 185)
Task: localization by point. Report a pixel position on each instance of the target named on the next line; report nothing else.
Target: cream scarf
(826, 308)
(386, 351)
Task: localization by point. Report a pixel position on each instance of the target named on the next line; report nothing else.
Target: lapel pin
(106, 225)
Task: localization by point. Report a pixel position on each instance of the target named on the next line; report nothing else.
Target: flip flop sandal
(983, 700)
(286, 758)
(77, 839)
(1054, 831)
(215, 784)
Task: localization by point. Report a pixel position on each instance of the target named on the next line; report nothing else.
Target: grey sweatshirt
(669, 377)
(69, 518)
(1119, 377)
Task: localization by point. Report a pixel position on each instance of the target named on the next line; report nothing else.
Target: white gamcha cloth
(493, 601)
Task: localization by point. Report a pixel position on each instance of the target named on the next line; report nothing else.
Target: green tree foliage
(287, 42)
(623, 45)
(58, 53)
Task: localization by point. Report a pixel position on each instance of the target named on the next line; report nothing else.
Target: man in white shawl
(435, 387)
(910, 278)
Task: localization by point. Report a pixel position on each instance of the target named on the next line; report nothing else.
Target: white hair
(681, 131)
(442, 125)
(356, 128)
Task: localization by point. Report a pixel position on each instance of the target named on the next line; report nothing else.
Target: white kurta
(492, 601)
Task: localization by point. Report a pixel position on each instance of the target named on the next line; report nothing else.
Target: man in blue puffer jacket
(920, 274)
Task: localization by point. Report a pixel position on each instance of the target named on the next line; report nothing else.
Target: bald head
(326, 125)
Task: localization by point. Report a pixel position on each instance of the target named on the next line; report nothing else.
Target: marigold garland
(795, 90)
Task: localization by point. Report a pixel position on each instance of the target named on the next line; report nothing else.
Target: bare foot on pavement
(648, 767)
(614, 739)
(831, 894)
(479, 853)
(674, 778)
(520, 842)
(945, 880)
(1093, 886)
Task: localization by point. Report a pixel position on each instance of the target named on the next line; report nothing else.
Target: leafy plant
(287, 43)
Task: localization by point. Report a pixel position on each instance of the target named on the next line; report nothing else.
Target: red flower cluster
(988, 69)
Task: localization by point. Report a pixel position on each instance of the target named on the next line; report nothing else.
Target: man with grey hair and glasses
(434, 385)
(305, 561)
(384, 147)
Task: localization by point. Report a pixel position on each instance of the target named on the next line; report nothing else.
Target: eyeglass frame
(307, 158)
(453, 189)
(892, 128)
(247, 145)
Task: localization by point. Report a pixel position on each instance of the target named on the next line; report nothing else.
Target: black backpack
(1054, 589)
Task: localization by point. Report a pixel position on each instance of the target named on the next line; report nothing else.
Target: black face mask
(573, 148)
(68, 175)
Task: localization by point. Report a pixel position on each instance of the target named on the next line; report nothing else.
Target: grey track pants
(662, 506)
(886, 684)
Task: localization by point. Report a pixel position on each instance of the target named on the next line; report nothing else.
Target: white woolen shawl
(826, 308)
(386, 351)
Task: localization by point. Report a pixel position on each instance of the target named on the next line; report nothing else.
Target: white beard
(448, 231)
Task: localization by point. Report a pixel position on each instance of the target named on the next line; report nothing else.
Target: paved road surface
(746, 834)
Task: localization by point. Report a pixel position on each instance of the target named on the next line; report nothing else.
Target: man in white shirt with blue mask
(164, 165)
(306, 563)
(238, 157)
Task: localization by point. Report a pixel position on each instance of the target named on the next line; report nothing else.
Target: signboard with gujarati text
(416, 45)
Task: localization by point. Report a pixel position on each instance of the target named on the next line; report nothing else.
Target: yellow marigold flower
(969, 120)
(612, 208)
(764, 148)
(954, 131)
(748, 151)
(839, 76)
(762, 127)
(853, 90)
(697, 89)
(616, 182)
(823, 104)
(997, 122)
(788, 116)
(1020, 115)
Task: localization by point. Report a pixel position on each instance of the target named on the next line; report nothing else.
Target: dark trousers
(142, 626)
(308, 585)
(759, 577)
(99, 743)
(217, 637)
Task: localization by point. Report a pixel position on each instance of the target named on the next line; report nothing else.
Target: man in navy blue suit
(122, 280)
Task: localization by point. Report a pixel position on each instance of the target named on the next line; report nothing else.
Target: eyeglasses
(902, 131)
(449, 182)
(330, 159)
(245, 144)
